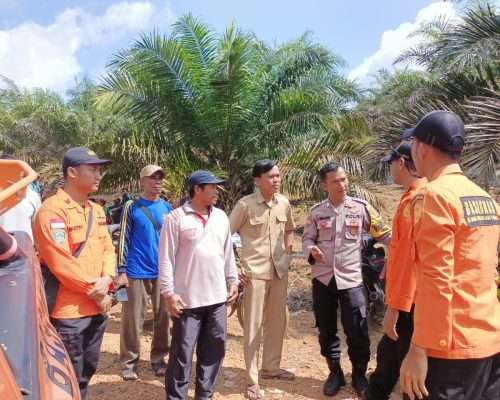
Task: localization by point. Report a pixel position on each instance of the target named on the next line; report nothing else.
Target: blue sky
(50, 43)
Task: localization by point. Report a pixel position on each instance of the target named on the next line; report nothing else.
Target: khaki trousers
(264, 314)
(132, 321)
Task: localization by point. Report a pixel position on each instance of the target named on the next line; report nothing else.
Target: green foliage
(222, 102)
(462, 73)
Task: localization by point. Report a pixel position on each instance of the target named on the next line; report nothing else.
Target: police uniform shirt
(338, 234)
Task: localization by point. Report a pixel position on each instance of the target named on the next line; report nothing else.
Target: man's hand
(317, 254)
(121, 280)
(101, 288)
(413, 373)
(232, 294)
(244, 280)
(174, 305)
(390, 320)
(105, 304)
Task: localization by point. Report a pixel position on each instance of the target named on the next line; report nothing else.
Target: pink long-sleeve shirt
(196, 258)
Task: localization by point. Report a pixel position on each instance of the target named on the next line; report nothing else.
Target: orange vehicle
(34, 364)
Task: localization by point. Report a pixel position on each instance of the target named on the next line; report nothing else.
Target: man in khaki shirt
(265, 224)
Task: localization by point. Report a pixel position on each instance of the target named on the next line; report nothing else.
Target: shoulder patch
(59, 236)
(361, 201)
(479, 211)
(318, 204)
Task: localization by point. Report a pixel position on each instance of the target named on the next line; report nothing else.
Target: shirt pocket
(352, 227)
(188, 229)
(76, 234)
(257, 225)
(325, 229)
(281, 218)
(189, 233)
(103, 229)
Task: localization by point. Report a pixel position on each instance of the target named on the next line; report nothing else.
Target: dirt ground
(300, 353)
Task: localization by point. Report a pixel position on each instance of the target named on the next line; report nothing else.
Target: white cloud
(33, 55)
(396, 41)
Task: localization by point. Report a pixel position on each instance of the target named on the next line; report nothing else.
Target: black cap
(80, 156)
(201, 177)
(441, 129)
(402, 151)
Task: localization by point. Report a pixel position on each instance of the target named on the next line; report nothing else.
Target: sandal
(282, 374)
(254, 393)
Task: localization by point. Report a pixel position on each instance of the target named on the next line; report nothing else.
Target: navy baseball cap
(441, 129)
(201, 177)
(80, 156)
(402, 151)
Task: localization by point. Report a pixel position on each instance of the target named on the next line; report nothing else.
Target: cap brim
(99, 161)
(159, 169)
(407, 134)
(214, 181)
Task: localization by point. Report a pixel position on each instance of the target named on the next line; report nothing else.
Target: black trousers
(473, 379)
(390, 355)
(204, 327)
(353, 309)
(82, 338)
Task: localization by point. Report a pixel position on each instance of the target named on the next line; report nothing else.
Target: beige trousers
(132, 321)
(264, 315)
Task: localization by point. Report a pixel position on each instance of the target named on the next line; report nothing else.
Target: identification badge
(353, 223)
(325, 223)
(353, 220)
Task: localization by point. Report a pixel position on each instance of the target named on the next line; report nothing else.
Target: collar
(69, 203)
(417, 184)
(188, 208)
(260, 198)
(338, 208)
(450, 169)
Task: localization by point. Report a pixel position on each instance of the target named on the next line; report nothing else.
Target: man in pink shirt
(198, 278)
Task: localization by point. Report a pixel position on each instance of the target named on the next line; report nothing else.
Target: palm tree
(482, 153)
(462, 74)
(37, 126)
(222, 102)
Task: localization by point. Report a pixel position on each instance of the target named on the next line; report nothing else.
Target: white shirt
(21, 216)
(196, 258)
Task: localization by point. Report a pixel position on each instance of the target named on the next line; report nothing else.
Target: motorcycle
(373, 264)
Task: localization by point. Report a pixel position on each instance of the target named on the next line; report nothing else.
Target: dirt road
(301, 352)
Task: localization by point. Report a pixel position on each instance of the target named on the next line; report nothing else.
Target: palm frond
(482, 152)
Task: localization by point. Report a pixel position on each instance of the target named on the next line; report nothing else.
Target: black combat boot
(359, 381)
(335, 379)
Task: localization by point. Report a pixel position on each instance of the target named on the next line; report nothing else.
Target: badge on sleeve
(57, 223)
(59, 236)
